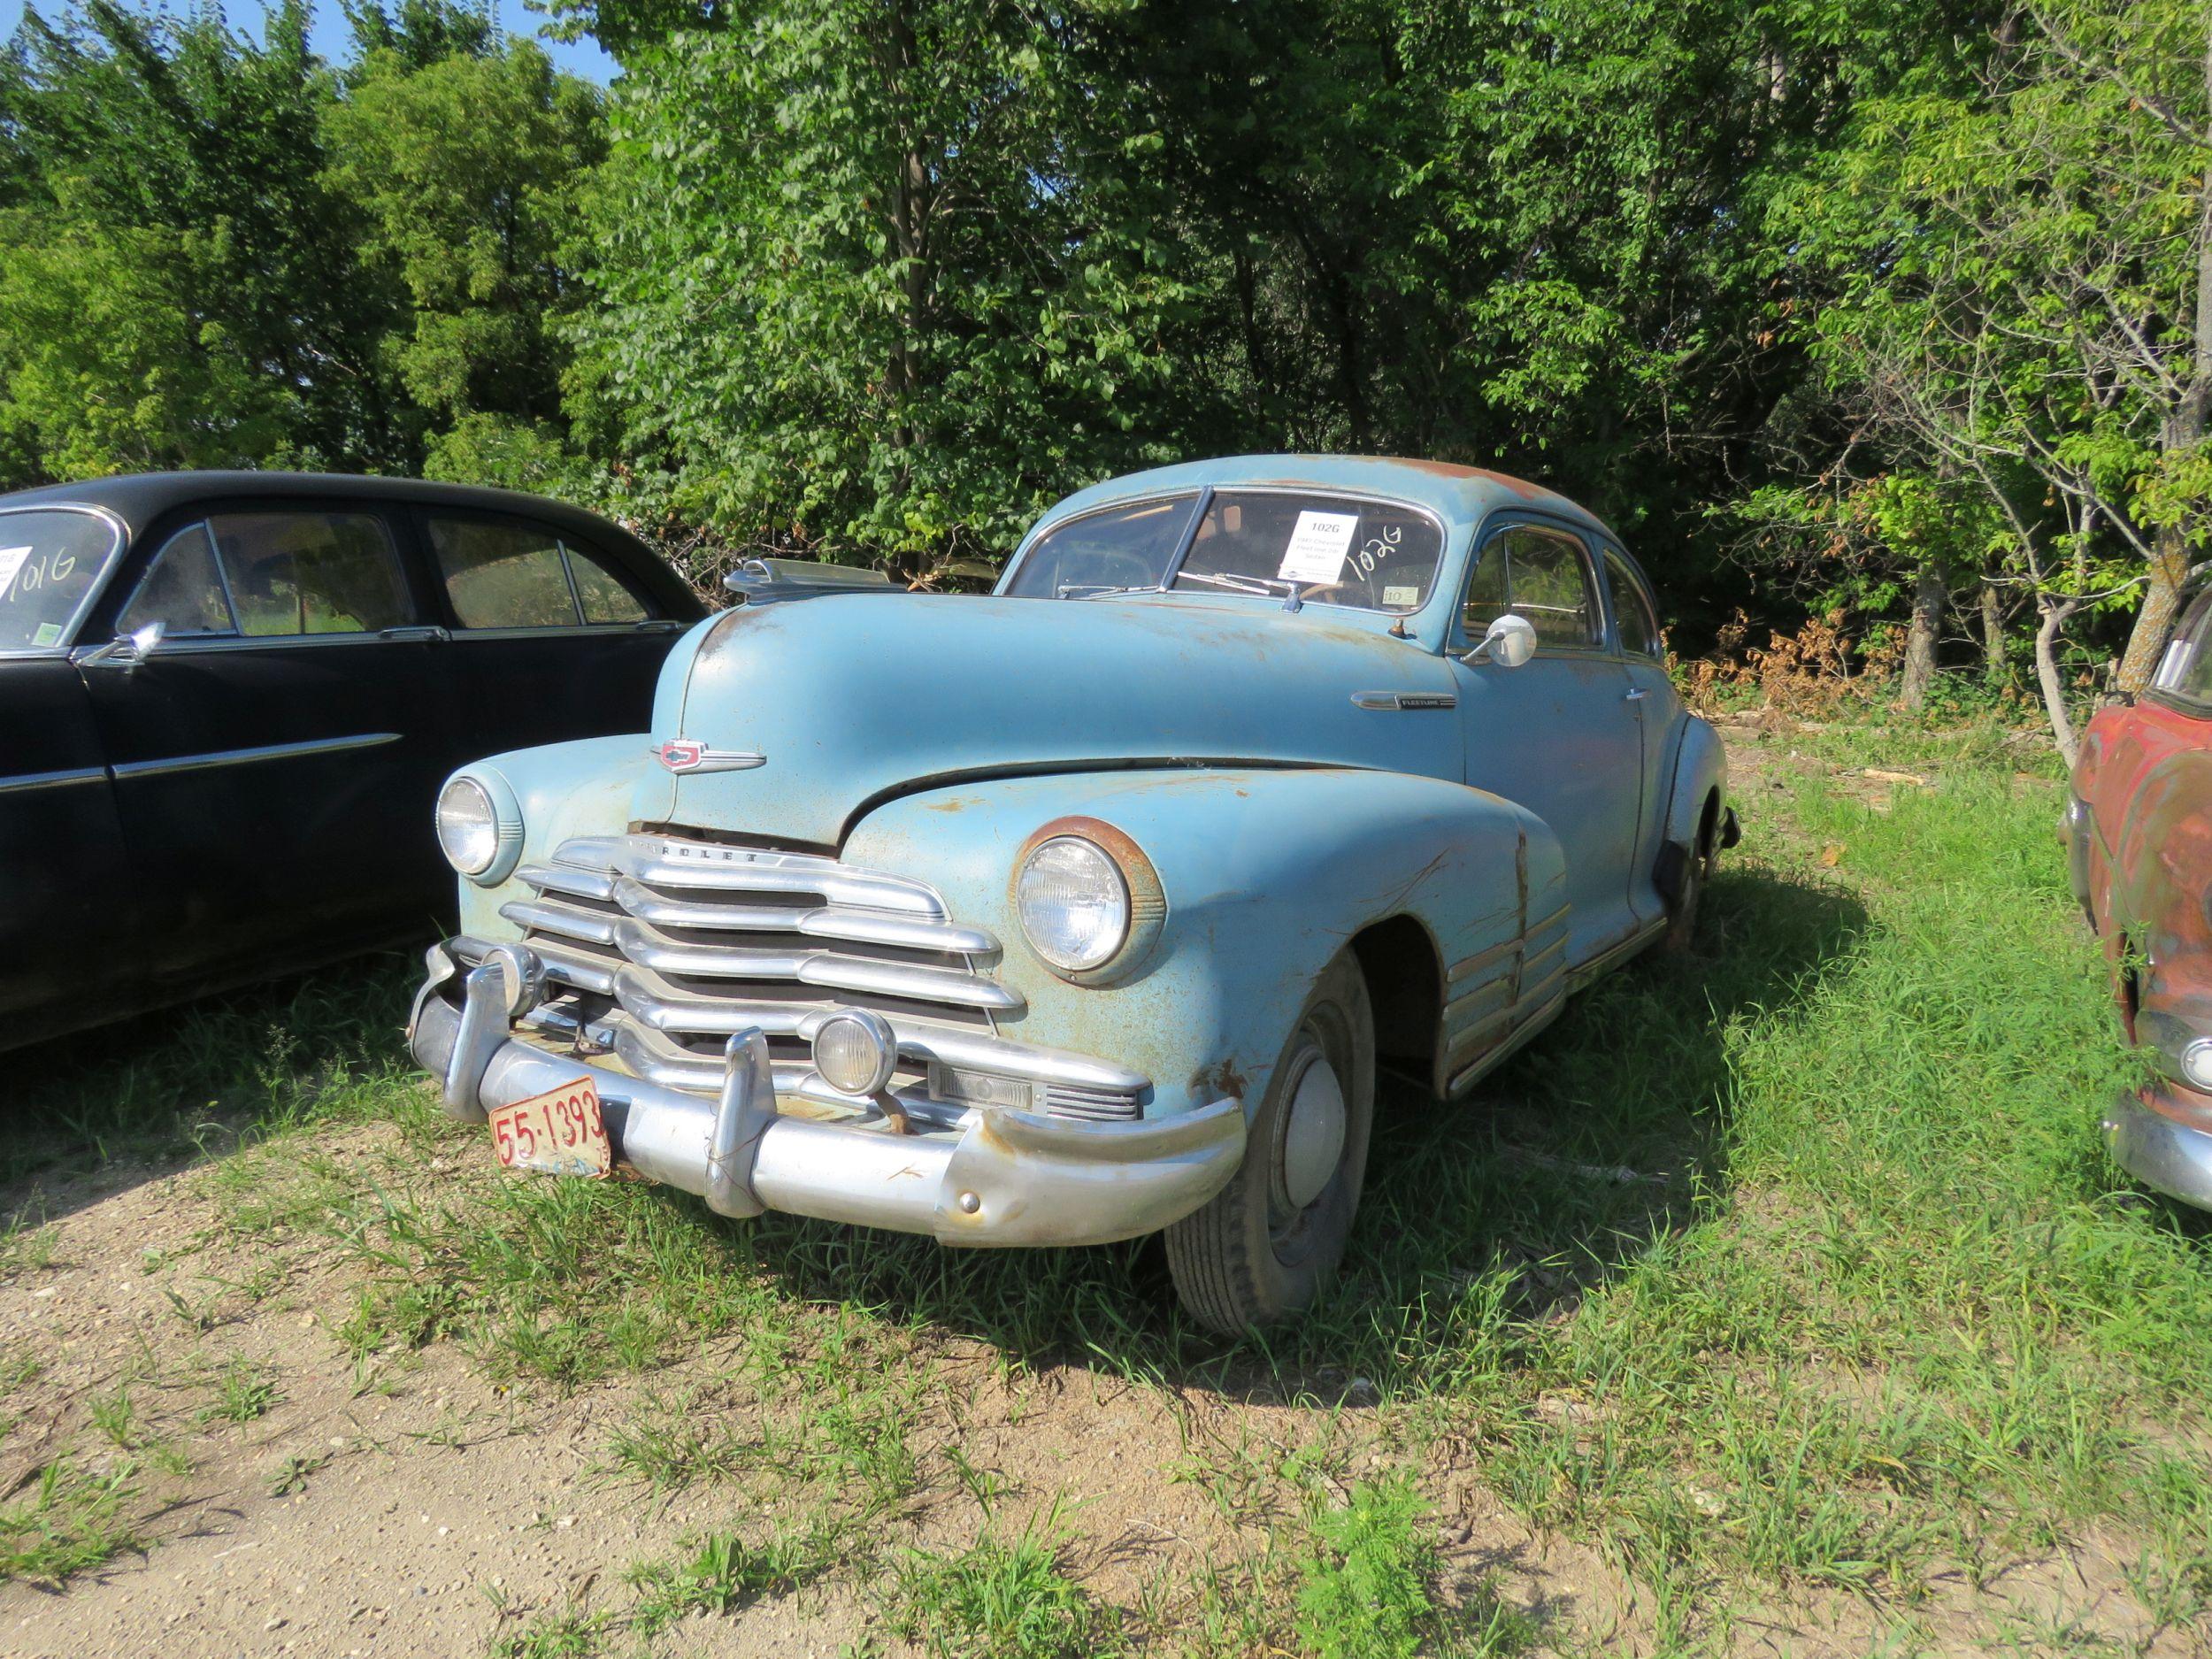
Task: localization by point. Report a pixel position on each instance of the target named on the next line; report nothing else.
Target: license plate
(559, 1133)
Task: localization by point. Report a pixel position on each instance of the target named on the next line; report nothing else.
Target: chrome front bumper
(995, 1176)
(2161, 1153)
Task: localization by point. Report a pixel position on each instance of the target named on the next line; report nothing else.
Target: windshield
(1121, 547)
(1334, 549)
(48, 560)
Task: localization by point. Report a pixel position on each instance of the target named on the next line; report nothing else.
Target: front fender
(1267, 875)
(1700, 773)
(592, 787)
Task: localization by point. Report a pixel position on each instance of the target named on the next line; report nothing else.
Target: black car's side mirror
(125, 651)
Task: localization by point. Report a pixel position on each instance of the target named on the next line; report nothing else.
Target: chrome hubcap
(1313, 1132)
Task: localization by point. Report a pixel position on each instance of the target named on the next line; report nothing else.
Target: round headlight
(1073, 903)
(855, 1051)
(2196, 1062)
(468, 826)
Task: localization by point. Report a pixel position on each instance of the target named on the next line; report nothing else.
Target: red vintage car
(2139, 830)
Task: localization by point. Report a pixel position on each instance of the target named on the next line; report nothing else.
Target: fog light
(854, 1050)
(2196, 1062)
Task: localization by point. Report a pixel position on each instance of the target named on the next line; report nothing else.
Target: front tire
(1261, 1249)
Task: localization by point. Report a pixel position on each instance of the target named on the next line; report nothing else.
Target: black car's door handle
(428, 633)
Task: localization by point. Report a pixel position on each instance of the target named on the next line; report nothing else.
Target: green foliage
(1365, 1593)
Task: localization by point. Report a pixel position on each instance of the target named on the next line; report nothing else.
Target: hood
(852, 698)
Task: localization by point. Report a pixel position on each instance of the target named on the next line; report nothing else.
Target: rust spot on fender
(958, 803)
(1211, 1082)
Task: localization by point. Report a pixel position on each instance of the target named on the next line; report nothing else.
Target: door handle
(1637, 696)
(429, 634)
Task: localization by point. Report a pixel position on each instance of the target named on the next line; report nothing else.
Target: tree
(248, 338)
(463, 167)
(2029, 302)
(881, 276)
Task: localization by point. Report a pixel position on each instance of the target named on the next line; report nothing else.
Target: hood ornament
(683, 756)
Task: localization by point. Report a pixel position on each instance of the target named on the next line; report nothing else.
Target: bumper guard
(997, 1177)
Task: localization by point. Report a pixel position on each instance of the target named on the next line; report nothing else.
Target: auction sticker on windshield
(10, 561)
(561, 1131)
(1318, 546)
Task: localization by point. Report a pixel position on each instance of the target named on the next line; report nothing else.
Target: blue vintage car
(1089, 909)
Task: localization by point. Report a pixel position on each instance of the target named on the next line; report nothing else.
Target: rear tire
(1261, 1249)
(1683, 876)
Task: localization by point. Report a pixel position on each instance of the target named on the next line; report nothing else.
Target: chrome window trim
(24, 782)
(213, 758)
(204, 644)
(568, 631)
(114, 558)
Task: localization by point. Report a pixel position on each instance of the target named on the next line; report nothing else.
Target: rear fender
(1267, 875)
(1701, 774)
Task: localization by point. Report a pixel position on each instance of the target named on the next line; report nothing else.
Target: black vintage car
(227, 700)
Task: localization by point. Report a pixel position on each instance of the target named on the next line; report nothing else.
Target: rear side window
(1542, 575)
(1631, 609)
(273, 575)
(504, 573)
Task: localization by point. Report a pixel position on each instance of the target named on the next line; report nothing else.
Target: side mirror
(1510, 642)
(125, 651)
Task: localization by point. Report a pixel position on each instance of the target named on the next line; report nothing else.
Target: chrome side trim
(1407, 701)
(1577, 977)
(213, 759)
(23, 782)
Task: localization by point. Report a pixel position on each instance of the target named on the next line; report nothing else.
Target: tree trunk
(2161, 602)
(1928, 595)
(2054, 613)
(1994, 664)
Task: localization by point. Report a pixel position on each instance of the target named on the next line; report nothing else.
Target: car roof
(1460, 495)
(139, 498)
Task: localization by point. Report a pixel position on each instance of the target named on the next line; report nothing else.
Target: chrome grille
(680, 943)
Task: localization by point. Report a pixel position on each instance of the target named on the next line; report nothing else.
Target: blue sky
(583, 59)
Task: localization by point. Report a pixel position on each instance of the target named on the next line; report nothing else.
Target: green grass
(1873, 1317)
(998, 1601)
(71, 1519)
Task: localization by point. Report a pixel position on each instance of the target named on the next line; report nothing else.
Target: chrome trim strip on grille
(703, 864)
(247, 756)
(649, 947)
(23, 782)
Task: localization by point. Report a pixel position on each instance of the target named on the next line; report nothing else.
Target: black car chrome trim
(52, 780)
(247, 756)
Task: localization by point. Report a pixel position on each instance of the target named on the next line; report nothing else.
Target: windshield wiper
(1263, 585)
(1102, 590)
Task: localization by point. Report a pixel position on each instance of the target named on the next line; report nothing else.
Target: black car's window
(504, 573)
(182, 590)
(310, 573)
(1123, 546)
(49, 561)
(599, 590)
(1339, 550)
(1633, 613)
(1542, 575)
(273, 575)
